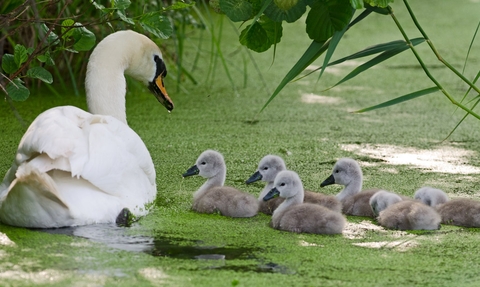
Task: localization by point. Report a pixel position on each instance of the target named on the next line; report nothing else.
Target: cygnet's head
(268, 168)
(344, 171)
(208, 165)
(431, 196)
(383, 199)
(139, 55)
(287, 184)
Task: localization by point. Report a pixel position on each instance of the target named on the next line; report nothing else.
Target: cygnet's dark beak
(328, 181)
(255, 177)
(271, 194)
(158, 89)
(191, 171)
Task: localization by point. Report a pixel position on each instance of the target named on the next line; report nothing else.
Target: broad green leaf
(401, 99)
(41, 74)
(158, 25)
(98, 6)
(52, 37)
(261, 35)
(67, 29)
(17, 91)
(325, 18)
(260, 12)
(49, 60)
(30, 50)
(20, 54)
(8, 64)
(236, 10)
(379, 3)
(357, 4)
(84, 39)
(377, 60)
(285, 4)
(121, 4)
(124, 17)
(293, 14)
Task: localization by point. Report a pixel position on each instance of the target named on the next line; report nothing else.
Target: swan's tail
(32, 200)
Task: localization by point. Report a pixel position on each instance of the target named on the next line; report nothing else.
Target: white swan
(76, 168)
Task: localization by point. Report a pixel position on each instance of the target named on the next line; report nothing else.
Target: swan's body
(76, 168)
(459, 211)
(296, 216)
(268, 168)
(348, 173)
(213, 196)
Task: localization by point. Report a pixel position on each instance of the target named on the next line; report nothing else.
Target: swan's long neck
(105, 81)
(289, 202)
(352, 188)
(216, 180)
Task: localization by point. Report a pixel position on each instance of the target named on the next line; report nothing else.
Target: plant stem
(430, 43)
(425, 69)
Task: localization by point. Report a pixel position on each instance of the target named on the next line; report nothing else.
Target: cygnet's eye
(337, 171)
(282, 184)
(203, 163)
(265, 168)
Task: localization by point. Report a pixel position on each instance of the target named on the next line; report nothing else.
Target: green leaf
(99, 6)
(325, 18)
(377, 60)
(379, 3)
(8, 64)
(17, 91)
(20, 54)
(179, 5)
(236, 10)
(159, 26)
(261, 35)
(41, 74)
(311, 54)
(357, 4)
(401, 99)
(67, 29)
(52, 38)
(121, 4)
(285, 4)
(331, 48)
(84, 39)
(370, 51)
(124, 17)
(293, 14)
(49, 60)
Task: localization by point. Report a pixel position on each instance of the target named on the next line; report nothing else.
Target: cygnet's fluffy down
(395, 213)
(268, 168)
(348, 173)
(295, 216)
(213, 196)
(459, 212)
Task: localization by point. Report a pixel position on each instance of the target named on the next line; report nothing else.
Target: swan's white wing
(92, 165)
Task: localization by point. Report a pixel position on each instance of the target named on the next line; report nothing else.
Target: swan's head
(268, 168)
(345, 171)
(287, 184)
(431, 196)
(383, 199)
(209, 164)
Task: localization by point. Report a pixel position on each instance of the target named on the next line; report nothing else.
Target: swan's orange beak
(158, 89)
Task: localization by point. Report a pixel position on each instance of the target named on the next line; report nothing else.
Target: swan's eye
(203, 163)
(265, 168)
(282, 184)
(337, 171)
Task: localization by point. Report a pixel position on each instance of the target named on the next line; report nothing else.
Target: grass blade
(401, 99)
(331, 49)
(377, 60)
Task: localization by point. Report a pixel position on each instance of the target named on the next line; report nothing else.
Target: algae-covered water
(400, 148)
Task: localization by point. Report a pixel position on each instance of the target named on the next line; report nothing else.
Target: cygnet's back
(347, 172)
(268, 168)
(213, 196)
(295, 216)
(395, 213)
(459, 212)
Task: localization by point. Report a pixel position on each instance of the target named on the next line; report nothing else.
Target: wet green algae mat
(310, 129)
